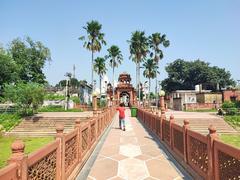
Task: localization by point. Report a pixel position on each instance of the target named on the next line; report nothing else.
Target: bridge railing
(64, 157)
(205, 156)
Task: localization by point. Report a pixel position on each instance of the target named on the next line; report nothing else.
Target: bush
(75, 99)
(57, 109)
(26, 96)
(54, 97)
(228, 104)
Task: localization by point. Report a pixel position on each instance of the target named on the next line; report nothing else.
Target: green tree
(94, 39)
(26, 96)
(150, 71)
(184, 75)
(8, 72)
(155, 40)
(100, 69)
(138, 50)
(116, 58)
(30, 57)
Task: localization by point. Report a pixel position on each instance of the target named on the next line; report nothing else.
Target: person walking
(121, 111)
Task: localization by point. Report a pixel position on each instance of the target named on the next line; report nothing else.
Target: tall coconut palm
(155, 40)
(115, 58)
(138, 50)
(93, 40)
(150, 71)
(100, 68)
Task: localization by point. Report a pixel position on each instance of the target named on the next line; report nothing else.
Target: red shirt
(121, 112)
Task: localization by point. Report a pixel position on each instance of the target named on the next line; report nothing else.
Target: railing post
(171, 121)
(60, 136)
(185, 128)
(19, 158)
(212, 135)
(163, 117)
(78, 127)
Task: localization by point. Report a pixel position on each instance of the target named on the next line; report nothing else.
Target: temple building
(124, 92)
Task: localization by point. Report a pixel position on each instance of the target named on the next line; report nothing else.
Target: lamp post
(68, 78)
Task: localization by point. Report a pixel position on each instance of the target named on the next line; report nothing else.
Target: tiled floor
(133, 155)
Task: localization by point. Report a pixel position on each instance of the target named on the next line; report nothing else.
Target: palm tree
(150, 71)
(94, 41)
(116, 58)
(155, 40)
(138, 50)
(100, 68)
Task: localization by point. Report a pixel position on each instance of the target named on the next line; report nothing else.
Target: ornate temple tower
(124, 92)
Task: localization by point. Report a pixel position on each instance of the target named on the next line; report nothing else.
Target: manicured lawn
(233, 121)
(8, 121)
(231, 139)
(31, 144)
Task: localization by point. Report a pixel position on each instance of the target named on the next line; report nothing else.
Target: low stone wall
(64, 157)
(194, 106)
(205, 156)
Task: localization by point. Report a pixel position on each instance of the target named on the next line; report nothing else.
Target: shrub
(228, 104)
(52, 96)
(26, 96)
(75, 99)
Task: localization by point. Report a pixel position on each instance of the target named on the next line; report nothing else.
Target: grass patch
(202, 110)
(31, 144)
(233, 121)
(8, 121)
(231, 139)
(57, 109)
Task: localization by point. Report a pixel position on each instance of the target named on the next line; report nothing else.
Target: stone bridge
(153, 146)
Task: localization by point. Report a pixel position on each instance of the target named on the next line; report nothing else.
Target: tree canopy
(184, 75)
(23, 61)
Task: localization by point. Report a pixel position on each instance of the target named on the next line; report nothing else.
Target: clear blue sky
(209, 30)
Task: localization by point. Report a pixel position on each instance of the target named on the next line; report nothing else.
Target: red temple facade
(124, 92)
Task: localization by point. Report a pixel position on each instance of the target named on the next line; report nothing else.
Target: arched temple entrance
(125, 98)
(124, 92)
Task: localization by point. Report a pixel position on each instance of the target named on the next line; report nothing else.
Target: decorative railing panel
(93, 131)
(197, 152)
(85, 142)
(177, 135)
(227, 161)
(43, 163)
(71, 150)
(166, 131)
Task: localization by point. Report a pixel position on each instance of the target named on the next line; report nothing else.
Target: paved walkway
(133, 154)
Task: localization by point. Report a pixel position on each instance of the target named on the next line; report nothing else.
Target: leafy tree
(8, 69)
(95, 39)
(186, 74)
(150, 71)
(155, 40)
(30, 58)
(138, 50)
(26, 96)
(116, 58)
(100, 69)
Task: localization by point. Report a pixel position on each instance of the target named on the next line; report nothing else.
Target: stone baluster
(61, 155)
(185, 129)
(212, 135)
(19, 158)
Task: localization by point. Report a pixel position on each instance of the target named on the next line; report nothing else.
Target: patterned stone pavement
(132, 154)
